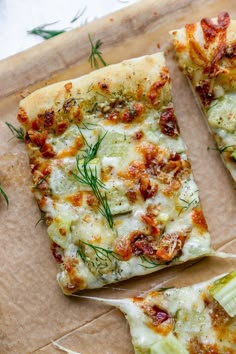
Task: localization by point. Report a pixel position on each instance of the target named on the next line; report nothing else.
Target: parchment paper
(33, 310)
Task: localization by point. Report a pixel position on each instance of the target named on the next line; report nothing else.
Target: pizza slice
(111, 174)
(198, 319)
(207, 55)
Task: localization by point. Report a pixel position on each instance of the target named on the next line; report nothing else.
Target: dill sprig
(18, 133)
(89, 177)
(4, 195)
(96, 56)
(42, 217)
(187, 204)
(41, 31)
(38, 184)
(78, 14)
(224, 148)
(152, 263)
(100, 252)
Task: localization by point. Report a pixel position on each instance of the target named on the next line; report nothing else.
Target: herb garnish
(42, 217)
(41, 31)
(4, 195)
(78, 14)
(96, 55)
(88, 177)
(224, 148)
(152, 263)
(187, 204)
(17, 132)
(40, 181)
(100, 252)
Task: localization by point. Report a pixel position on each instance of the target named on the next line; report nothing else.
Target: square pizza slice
(111, 174)
(206, 51)
(198, 319)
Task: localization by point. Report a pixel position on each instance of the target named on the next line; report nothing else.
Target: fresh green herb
(41, 31)
(88, 177)
(187, 204)
(4, 195)
(43, 179)
(42, 217)
(223, 148)
(164, 289)
(78, 14)
(17, 132)
(96, 56)
(152, 263)
(100, 252)
(233, 155)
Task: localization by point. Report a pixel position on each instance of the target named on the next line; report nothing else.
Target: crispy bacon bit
(157, 315)
(92, 201)
(171, 245)
(75, 199)
(61, 127)
(141, 244)
(131, 196)
(149, 151)
(47, 151)
(138, 135)
(155, 89)
(197, 347)
(199, 219)
(206, 95)
(57, 252)
(136, 169)
(210, 30)
(168, 123)
(49, 119)
(123, 248)
(219, 316)
(35, 124)
(132, 112)
(68, 86)
(103, 86)
(147, 189)
(39, 139)
(22, 116)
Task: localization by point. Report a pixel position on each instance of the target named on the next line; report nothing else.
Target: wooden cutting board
(32, 307)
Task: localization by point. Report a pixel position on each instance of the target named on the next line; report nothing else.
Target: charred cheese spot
(68, 87)
(168, 123)
(197, 347)
(75, 199)
(22, 117)
(199, 219)
(154, 92)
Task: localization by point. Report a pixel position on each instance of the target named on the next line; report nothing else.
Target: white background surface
(18, 16)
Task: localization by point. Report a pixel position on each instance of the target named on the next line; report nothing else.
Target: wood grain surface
(32, 308)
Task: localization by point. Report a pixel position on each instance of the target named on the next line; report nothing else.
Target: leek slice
(114, 145)
(168, 345)
(118, 202)
(224, 291)
(59, 230)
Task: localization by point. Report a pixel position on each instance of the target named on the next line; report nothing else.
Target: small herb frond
(89, 177)
(81, 254)
(164, 289)
(42, 217)
(43, 179)
(224, 148)
(152, 263)
(96, 56)
(187, 204)
(101, 252)
(78, 14)
(18, 133)
(41, 31)
(3, 193)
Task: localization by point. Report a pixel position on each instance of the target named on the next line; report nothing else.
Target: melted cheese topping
(199, 324)
(207, 55)
(111, 174)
